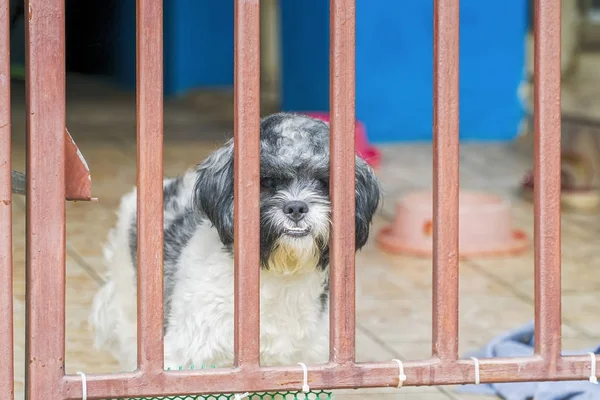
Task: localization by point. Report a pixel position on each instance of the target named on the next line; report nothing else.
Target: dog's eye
(267, 183)
(324, 183)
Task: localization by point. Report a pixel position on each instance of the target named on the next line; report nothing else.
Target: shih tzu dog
(198, 247)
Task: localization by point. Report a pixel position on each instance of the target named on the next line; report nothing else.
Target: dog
(295, 222)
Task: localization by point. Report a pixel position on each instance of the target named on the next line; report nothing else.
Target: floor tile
(370, 350)
(88, 224)
(463, 396)
(80, 354)
(582, 311)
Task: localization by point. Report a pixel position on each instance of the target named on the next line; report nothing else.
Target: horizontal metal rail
(333, 376)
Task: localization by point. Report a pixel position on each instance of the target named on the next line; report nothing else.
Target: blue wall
(198, 44)
(394, 62)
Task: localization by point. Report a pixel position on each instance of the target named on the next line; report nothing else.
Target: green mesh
(293, 395)
(312, 395)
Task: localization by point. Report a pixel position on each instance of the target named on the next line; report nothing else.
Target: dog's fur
(198, 248)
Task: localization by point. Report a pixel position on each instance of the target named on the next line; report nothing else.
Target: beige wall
(270, 47)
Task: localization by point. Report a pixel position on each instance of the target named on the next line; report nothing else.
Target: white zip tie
(476, 363)
(83, 385)
(401, 376)
(593, 378)
(305, 387)
(241, 396)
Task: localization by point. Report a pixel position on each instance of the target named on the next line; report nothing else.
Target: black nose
(295, 210)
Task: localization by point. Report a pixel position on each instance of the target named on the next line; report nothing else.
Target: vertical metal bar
(445, 178)
(342, 98)
(247, 176)
(45, 298)
(547, 147)
(150, 184)
(6, 278)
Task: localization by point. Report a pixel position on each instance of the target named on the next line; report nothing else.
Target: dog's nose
(295, 210)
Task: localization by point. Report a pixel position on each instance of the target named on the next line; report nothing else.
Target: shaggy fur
(198, 248)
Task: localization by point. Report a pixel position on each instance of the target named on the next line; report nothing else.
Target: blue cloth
(519, 343)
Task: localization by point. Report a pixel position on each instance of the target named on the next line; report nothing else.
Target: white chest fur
(294, 320)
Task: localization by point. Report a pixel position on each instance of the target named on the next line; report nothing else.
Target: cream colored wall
(571, 24)
(270, 48)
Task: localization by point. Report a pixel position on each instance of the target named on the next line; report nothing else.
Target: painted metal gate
(45, 375)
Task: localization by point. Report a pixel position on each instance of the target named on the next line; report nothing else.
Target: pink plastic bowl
(485, 226)
(365, 151)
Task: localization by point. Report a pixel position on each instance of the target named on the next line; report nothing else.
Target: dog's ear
(213, 191)
(368, 194)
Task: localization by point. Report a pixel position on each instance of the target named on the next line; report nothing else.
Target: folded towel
(519, 343)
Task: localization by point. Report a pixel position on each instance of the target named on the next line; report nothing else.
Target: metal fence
(45, 375)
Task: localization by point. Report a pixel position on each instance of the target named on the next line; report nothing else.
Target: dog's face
(295, 209)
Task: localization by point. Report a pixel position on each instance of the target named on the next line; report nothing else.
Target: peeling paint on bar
(547, 145)
(150, 184)
(6, 267)
(342, 252)
(246, 178)
(445, 179)
(45, 269)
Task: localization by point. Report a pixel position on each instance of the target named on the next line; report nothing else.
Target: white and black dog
(198, 247)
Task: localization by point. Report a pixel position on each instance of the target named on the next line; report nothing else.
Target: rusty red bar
(45, 120)
(547, 145)
(6, 280)
(150, 184)
(445, 178)
(342, 98)
(332, 376)
(246, 186)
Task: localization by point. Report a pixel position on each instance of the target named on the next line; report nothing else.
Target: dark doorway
(90, 35)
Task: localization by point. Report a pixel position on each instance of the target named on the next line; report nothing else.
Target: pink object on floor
(485, 226)
(364, 150)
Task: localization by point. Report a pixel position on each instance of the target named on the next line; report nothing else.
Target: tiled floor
(394, 292)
